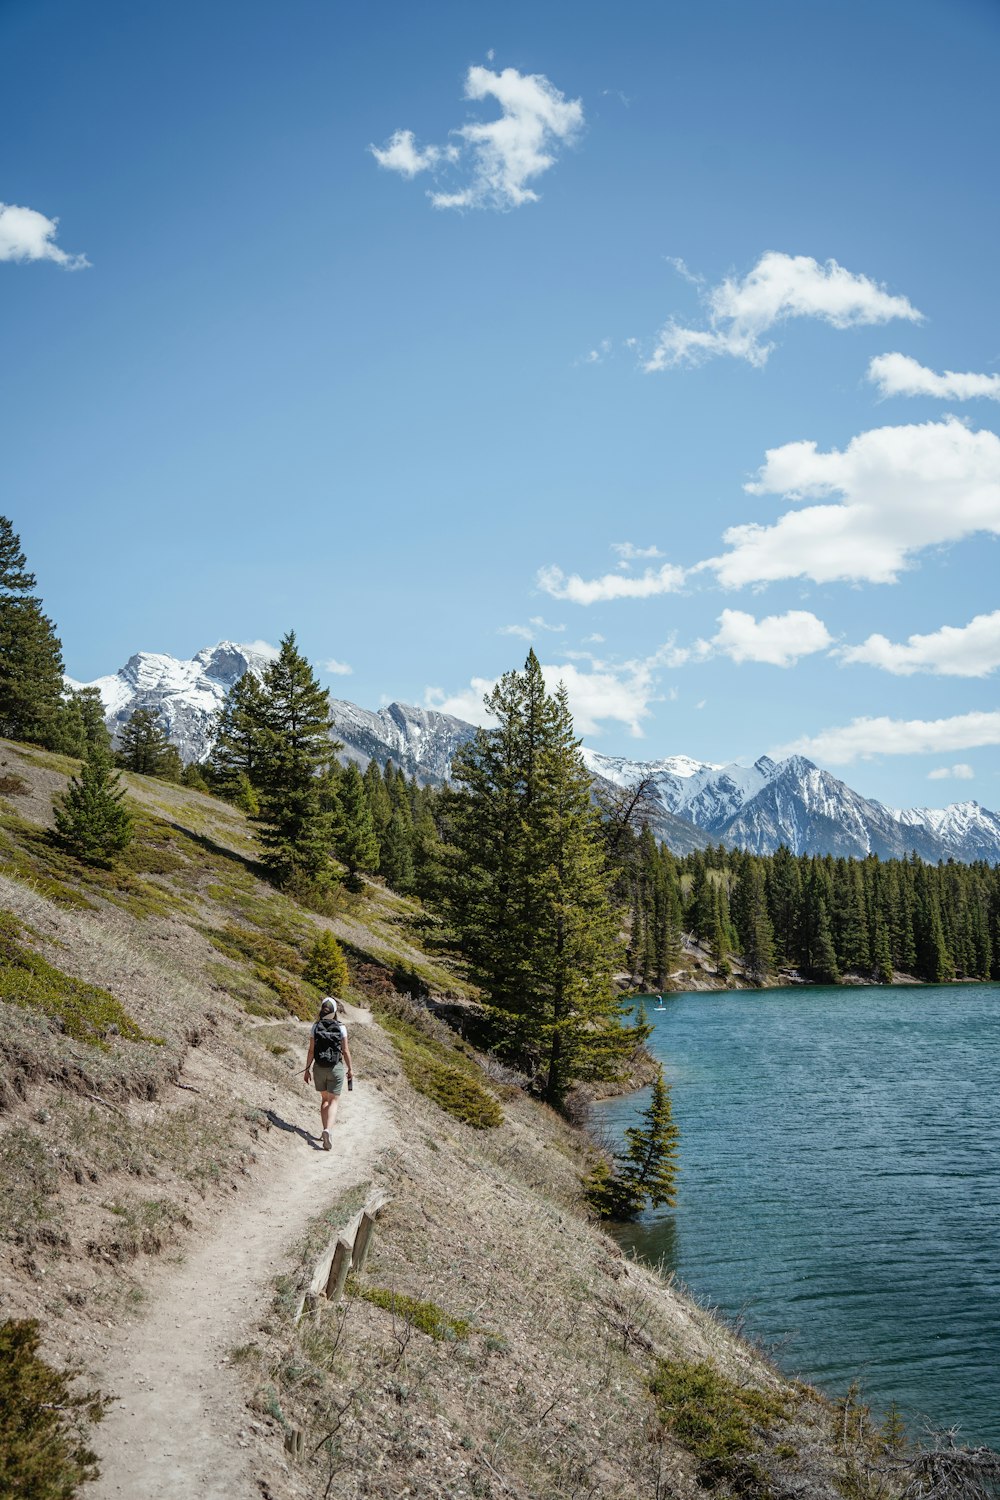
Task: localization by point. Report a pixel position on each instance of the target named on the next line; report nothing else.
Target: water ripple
(840, 1184)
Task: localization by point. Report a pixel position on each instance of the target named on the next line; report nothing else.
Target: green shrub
(722, 1424)
(326, 966)
(85, 1012)
(242, 943)
(43, 1423)
(425, 1316)
(447, 1077)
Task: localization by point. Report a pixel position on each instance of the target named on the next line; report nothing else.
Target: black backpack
(328, 1048)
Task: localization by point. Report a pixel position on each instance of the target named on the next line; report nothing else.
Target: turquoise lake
(840, 1185)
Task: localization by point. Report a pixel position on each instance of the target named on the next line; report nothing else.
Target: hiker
(329, 1061)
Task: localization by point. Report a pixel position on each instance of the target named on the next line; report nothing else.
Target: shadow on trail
(290, 1129)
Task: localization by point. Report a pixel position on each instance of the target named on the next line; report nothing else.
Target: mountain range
(691, 803)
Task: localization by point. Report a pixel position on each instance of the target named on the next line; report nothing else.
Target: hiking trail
(179, 1428)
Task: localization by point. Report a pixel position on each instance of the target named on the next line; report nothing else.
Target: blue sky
(605, 268)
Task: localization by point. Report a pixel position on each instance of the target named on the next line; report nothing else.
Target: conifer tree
(396, 851)
(194, 777)
(295, 829)
(824, 954)
(81, 724)
(378, 799)
(648, 1167)
(31, 667)
(243, 737)
(90, 818)
(143, 746)
(354, 834)
(527, 888)
(756, 933)
(326, 966)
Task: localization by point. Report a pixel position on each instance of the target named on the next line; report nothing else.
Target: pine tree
(31, 667)
(193, 776)
(295, 830)
(756, 933)
(81, 726)
(90, 817)
(31, 673)
(396, 851)
(354, 835)
(243, 738)
(326, 966)
(824, 956)
(378, 799)
(527, 888)
(648, 1167)
(143, 746)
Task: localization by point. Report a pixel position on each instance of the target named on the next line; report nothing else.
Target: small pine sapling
(326, 966)
(90, 819)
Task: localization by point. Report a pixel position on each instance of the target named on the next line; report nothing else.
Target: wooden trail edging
(347, 1251)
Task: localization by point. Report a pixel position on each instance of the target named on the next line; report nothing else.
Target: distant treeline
(825, 917)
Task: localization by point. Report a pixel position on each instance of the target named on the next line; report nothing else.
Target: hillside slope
(152, 1107)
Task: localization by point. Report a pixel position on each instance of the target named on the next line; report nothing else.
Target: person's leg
(327, 1109)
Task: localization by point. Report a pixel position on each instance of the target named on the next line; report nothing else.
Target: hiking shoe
(327, 1143)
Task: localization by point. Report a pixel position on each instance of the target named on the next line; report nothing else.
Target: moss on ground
(724, 1425)
(83, 1011)
(427, 1317)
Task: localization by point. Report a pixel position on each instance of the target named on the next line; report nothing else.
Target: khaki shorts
(329, 1080)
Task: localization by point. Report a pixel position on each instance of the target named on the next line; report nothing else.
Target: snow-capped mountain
(187, 694)
(754, 807)
(420, 741)
(793, 802)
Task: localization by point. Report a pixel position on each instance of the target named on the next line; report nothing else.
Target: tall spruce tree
(31, 666)
(243, 738)
(527, 889)
(354, 833)
(143, 746)
(81, 726)
(295, 829)
(90, 817)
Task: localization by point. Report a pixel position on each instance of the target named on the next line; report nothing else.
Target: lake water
(840, 1185)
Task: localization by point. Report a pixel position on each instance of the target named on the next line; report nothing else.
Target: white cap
(329, 1003)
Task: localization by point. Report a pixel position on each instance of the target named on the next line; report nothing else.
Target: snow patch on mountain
(186, 694)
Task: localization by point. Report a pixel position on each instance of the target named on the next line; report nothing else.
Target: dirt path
(177, 1432)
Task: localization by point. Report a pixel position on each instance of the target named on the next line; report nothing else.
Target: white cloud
(779, 287)
(466, 704)
(402, 154)
(902, 488)
(778, 640)
(628, 553)
(946, 773)
(863, 738)
(665, 580)
(337, 668)
(971, 650)
(599, 355)
(26, 234)
(899, 375)
(615, 692)
(530, 631)
(503, 156)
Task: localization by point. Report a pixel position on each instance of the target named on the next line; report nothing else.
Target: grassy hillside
(497, 1344)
